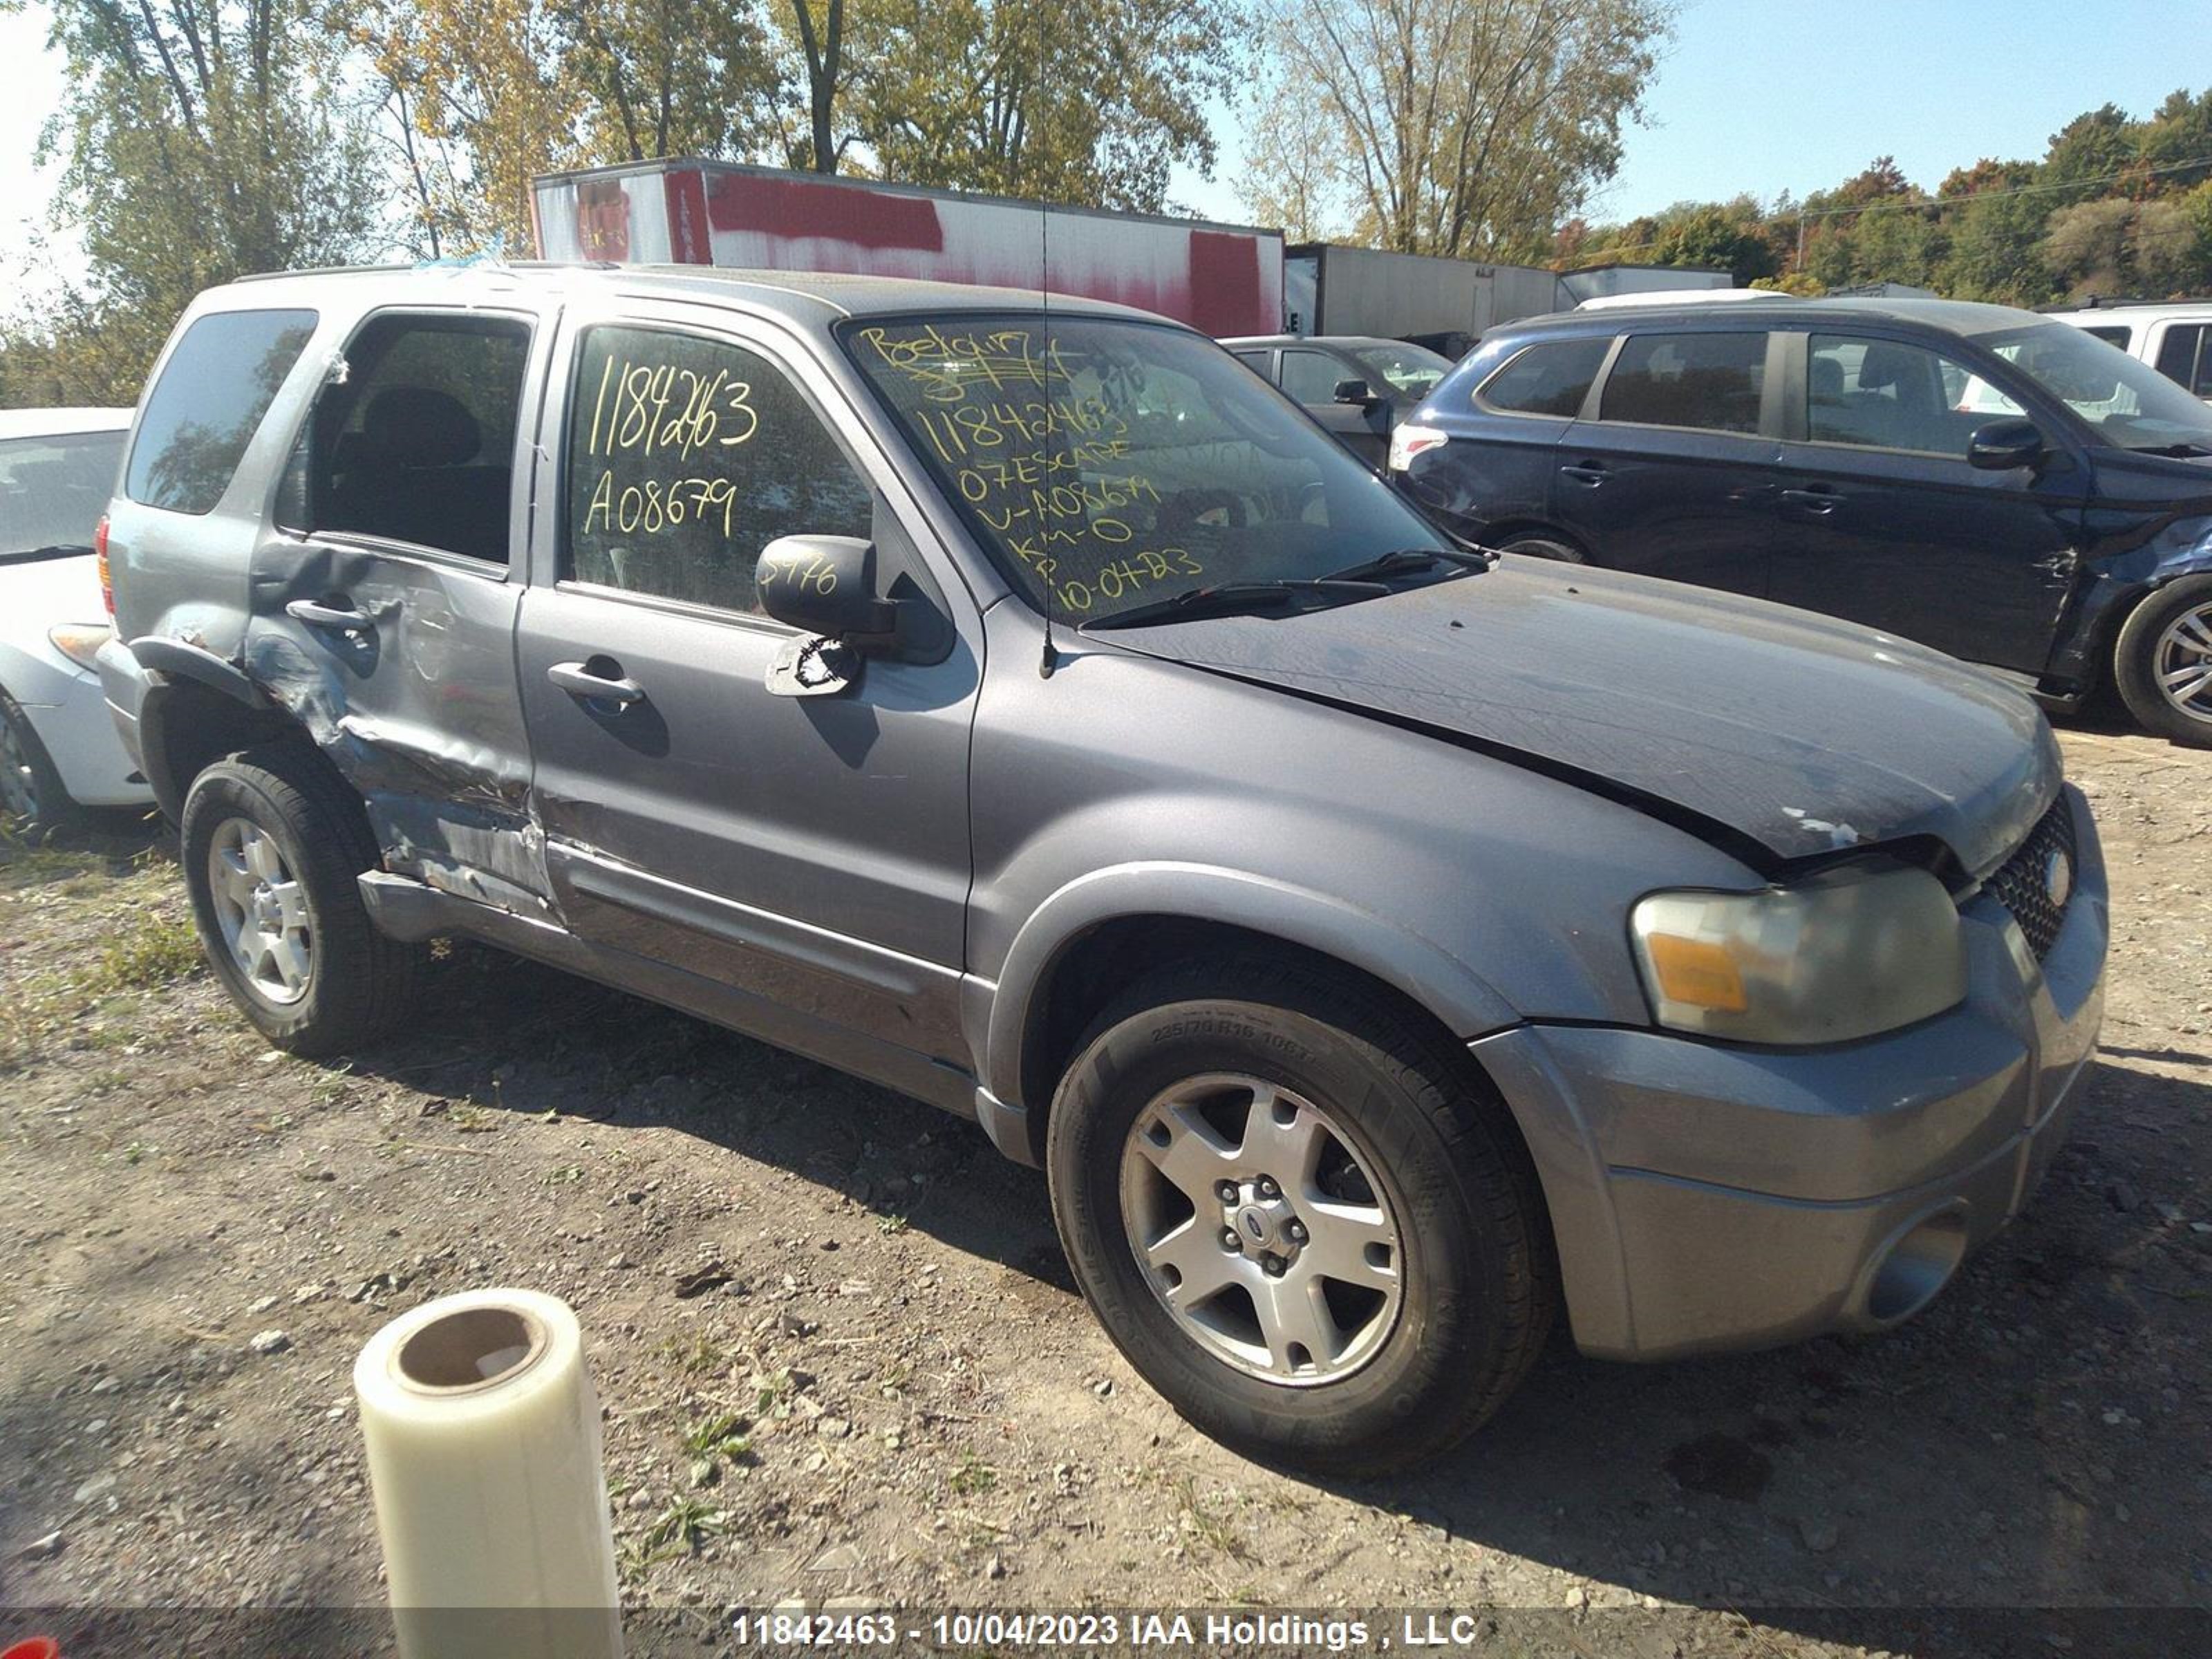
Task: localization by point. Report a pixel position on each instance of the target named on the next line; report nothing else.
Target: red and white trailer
(1222, 279)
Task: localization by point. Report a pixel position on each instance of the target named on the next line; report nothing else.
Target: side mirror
(1357, 392)
(826, 586)
(2001, 445)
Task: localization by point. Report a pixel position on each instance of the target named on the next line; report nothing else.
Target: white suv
(2175, 339)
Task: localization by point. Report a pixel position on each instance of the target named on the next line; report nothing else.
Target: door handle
(317, 614)
(578, 680)
(1820, 500)
(1589, 473)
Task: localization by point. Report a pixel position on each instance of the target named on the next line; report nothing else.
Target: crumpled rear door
(386, 588)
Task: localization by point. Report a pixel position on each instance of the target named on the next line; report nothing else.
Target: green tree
(669, 77)
(200, 140)
(1717, 236)
(1087, 101)
(1458, 127)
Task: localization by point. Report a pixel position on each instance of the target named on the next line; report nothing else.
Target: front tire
(272, 845)
(2162, 662)
(1308, 1223)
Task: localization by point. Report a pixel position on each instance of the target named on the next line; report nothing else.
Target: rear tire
(1545, 547)
(1337, 1333)
(272, 844)
(2162, 662)
(32, 797)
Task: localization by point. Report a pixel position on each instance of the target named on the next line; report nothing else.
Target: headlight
(1840, 955)
(81, 642)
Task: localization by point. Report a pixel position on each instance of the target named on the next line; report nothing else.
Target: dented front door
(386, 587)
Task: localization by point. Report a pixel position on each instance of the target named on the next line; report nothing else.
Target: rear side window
(416, 444)
(53, 490)
(2117, 337)
(1551, 379)
(208, 404)
(2183, 360)
(1709, 381)
(686, 456)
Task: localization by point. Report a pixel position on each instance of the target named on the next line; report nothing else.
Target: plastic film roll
(482, 1434)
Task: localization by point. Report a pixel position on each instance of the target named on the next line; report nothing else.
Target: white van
(2171, 337)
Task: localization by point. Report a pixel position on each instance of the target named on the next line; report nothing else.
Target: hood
(2178, 483)
(1777, 734)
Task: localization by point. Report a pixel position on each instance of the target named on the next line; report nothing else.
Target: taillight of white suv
(1409, 441)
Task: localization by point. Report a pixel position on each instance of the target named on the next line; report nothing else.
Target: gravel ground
(202, 1234)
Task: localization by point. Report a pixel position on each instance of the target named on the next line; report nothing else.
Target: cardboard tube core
(470, 1348)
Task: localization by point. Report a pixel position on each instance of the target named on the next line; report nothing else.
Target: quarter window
(2182, 358)
(1887, 394)
(1257, 363)
(208, 404)
(1551, 379)
(1709, 381)
(686, 456)
(415, 443)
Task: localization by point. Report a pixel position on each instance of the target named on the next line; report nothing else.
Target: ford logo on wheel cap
(2057, 878)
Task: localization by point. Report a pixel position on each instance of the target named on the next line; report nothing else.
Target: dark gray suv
(1380, 945)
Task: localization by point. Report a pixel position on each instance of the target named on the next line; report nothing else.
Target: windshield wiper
(1405, 561)
(1228, 598)
(52, 550)
(2180, 452)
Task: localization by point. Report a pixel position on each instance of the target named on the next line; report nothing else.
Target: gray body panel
(1799, 734)
(1458, 791)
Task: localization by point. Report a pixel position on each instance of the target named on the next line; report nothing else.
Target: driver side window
(1888, 394)
(687, 456)
(1310, 377)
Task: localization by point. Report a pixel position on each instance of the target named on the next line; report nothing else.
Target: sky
(1757, 95)
(1769, 96)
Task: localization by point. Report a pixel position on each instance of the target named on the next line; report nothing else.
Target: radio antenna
(1050, 658)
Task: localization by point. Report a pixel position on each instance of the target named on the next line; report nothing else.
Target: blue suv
(1994, 484)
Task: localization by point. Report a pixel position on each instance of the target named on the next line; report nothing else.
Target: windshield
(1116, 463)
(53, 490)
(1412, 371)
(2125, 402)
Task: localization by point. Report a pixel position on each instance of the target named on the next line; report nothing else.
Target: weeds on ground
(696, 1355)
(679, 1529)
(714, 1441)
(152, 949)
(96, 999)
(973, 1478)
(1209, 1528)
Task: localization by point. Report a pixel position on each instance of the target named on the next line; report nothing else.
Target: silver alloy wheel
(1262, 1229)
(19, 784)
(261, 910)
(2181, 665)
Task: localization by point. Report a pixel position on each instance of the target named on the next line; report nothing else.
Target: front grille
(2023, 884)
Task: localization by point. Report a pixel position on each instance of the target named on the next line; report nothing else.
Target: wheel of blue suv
(33, 801)
(1303, 1218)
(1544, 547)
(272, 844)
(2162, 662)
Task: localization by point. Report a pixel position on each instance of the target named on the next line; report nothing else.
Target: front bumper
(1709, 1197)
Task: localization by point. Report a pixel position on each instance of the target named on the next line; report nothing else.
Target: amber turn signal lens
(1697, 972)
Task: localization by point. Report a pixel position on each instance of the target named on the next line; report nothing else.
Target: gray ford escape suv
(1381, 946)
